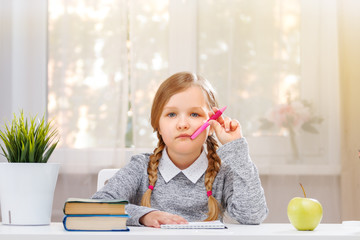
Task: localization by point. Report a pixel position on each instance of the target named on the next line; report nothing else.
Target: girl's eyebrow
(170, 108)
(200, 109)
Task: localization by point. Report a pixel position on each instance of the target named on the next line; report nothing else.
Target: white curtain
(251, 51)
(107, 60)
(88, 72)
(88, 91)
(149, 47)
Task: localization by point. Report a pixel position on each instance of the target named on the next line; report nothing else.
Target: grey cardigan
(237, 188)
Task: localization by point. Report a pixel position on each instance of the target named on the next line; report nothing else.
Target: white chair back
(103, 176)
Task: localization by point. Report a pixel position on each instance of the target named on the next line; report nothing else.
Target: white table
(55, 231)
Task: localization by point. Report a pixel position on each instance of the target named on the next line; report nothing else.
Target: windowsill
(300, 169)
(91, 161)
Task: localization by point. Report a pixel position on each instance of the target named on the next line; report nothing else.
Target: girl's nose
(182, 124)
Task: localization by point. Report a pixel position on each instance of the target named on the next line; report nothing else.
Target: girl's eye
(171, 115)
(195, 115)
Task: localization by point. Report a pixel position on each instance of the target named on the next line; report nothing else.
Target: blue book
(95, 222)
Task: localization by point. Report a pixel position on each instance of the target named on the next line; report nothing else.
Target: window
(107, 58)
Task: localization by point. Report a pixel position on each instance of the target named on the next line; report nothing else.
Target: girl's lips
(183, 136)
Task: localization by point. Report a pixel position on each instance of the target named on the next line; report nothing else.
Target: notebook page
(196, 225)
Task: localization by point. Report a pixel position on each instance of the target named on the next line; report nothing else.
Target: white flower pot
(27, 192)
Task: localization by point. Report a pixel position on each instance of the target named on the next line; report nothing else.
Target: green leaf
(316, 120)
(4, 152)
(307, 127)
(24, 150)
(49, 152)
(31, 151)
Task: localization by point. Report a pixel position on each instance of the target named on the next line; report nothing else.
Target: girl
(182, 180)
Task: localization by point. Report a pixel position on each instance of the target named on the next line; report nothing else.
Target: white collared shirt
(168, 170)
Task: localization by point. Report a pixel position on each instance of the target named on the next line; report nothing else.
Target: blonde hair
(174, 84)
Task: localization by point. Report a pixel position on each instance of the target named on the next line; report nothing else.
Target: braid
(153, 170)
(211, 172)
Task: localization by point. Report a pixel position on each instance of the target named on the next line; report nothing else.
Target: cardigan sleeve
(243, 195)
(125, 185)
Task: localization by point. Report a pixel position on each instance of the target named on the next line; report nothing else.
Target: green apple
(305, 214)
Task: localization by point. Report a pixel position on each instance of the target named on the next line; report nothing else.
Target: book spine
(95, 215)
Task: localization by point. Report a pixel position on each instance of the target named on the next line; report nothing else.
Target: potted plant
(27, 181)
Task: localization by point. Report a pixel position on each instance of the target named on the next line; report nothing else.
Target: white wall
(5, 60)
(23, 59)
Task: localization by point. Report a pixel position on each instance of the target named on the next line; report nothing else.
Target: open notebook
(196, 225)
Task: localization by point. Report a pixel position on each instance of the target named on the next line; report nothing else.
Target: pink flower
(290, 115)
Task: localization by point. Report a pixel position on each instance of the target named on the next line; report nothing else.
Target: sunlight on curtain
(149, 32)
(250, 50)
(87, 72)
(93, 50)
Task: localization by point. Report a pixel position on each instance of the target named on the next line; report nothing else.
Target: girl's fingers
(234, 124)
(156, 224)
(172, 219)
(226, 124)
(220, 119)
(157, 218)
(216, 126)
(178, 219)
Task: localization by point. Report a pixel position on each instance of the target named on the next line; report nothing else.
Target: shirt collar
(168, 169)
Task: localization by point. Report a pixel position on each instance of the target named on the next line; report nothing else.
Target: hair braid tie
(152, 172)
(211, 172)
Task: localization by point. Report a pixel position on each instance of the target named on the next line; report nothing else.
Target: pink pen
(206, 124)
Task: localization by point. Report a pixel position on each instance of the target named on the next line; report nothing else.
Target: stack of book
(95, 215)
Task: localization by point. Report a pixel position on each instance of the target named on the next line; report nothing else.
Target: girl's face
(183, 114)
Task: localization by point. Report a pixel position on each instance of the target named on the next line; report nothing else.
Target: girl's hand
(157, 218)
(226, 129)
